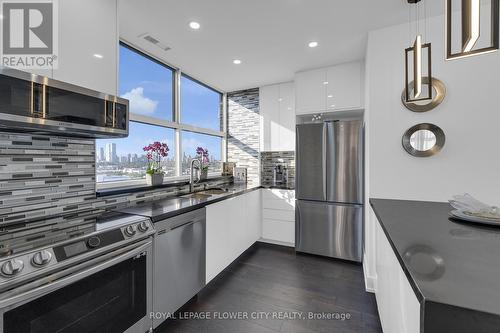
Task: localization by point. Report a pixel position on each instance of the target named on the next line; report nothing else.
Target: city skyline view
(148, 84)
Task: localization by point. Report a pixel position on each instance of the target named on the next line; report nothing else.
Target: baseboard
(275, 242)
(370, 281)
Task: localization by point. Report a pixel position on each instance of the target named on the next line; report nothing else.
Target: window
(191, 141)
(201, 106)
(124, 159)
(147, 84)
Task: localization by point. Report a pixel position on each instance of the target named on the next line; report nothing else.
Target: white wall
(469, 117)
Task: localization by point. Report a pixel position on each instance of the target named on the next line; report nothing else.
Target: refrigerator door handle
(297, 224)
(325, 174)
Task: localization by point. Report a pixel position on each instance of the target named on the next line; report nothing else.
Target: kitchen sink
(197, 195)
(214, 191)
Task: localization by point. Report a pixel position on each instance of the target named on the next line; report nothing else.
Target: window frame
(176, 123)
(182, 74)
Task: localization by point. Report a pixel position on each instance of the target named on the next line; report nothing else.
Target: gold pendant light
(471, 33)
(415, 90)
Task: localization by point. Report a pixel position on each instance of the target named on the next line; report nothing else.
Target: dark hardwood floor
(269, 280)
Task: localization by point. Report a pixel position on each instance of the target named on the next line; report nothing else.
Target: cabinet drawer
(279, 204)
(278, 194)
(281, 231)
(281, 215)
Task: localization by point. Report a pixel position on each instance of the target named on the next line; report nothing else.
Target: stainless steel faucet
(191, 178)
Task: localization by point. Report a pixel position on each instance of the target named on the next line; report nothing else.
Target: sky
(148, 87)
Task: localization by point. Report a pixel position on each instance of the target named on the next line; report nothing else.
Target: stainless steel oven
(108, 293)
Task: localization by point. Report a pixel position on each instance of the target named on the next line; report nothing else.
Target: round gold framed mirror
(438, 94)
(423, 140)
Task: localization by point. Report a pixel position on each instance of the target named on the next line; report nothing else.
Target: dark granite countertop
(280, 187)
(453, 266)
(170, 207)
(142, 188)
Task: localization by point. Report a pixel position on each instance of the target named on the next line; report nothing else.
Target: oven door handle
(71, 275)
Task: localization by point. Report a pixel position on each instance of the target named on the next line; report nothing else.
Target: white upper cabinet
(344, 89)
(310, 90)
(277, 108)
(334, 88)
(287, 117)
(87, 28)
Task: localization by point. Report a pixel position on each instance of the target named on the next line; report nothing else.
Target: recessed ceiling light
(313, 44)
(98, 56)
(330, 96)
(236, 61)
(326, 82)
(194, 25)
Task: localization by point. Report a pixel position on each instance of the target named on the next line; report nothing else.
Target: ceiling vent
(147, 37)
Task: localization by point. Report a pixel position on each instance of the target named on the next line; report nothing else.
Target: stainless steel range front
(93, 274)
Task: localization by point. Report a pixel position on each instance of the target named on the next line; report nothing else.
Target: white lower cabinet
(278, 216)
(233, 225)
(398, 306)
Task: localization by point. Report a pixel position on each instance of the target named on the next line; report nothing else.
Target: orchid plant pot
(203, 156)
(154, 153)
(154, 179)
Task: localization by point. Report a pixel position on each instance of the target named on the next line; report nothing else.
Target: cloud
(139, 103)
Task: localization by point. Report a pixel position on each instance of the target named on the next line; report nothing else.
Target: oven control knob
(130, 230)
(41, 258)
(143, 226)
(93, 242)
(12, 267)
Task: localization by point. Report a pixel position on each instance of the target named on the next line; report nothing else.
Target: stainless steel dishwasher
(179, 262)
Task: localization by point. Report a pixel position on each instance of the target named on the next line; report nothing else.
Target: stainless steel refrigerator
(329, 189)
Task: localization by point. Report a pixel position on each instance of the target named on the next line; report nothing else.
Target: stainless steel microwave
(38, 104)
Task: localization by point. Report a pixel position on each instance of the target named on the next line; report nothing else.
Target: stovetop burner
(51, 231)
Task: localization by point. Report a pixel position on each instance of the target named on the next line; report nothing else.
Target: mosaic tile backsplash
(47, 182)
(243, 142)
(42, 175)
(268, 162)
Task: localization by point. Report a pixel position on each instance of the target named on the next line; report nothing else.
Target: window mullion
(177, 119)
(224, 128)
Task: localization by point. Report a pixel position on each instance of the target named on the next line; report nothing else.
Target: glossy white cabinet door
(233, 225)
(270, 112)
(333, 88)
(277, 108)
(253, 215)
(310, 91)
(397, 304)
(87, 27)
(344, 88)
(287, 117)
(278, 216)
(222, 245)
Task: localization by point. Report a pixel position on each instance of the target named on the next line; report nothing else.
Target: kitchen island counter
(453, 267)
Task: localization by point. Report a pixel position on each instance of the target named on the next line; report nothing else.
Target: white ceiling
(269, 36)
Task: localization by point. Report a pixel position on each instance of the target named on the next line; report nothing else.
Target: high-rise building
(110, 153)
(100, 157)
